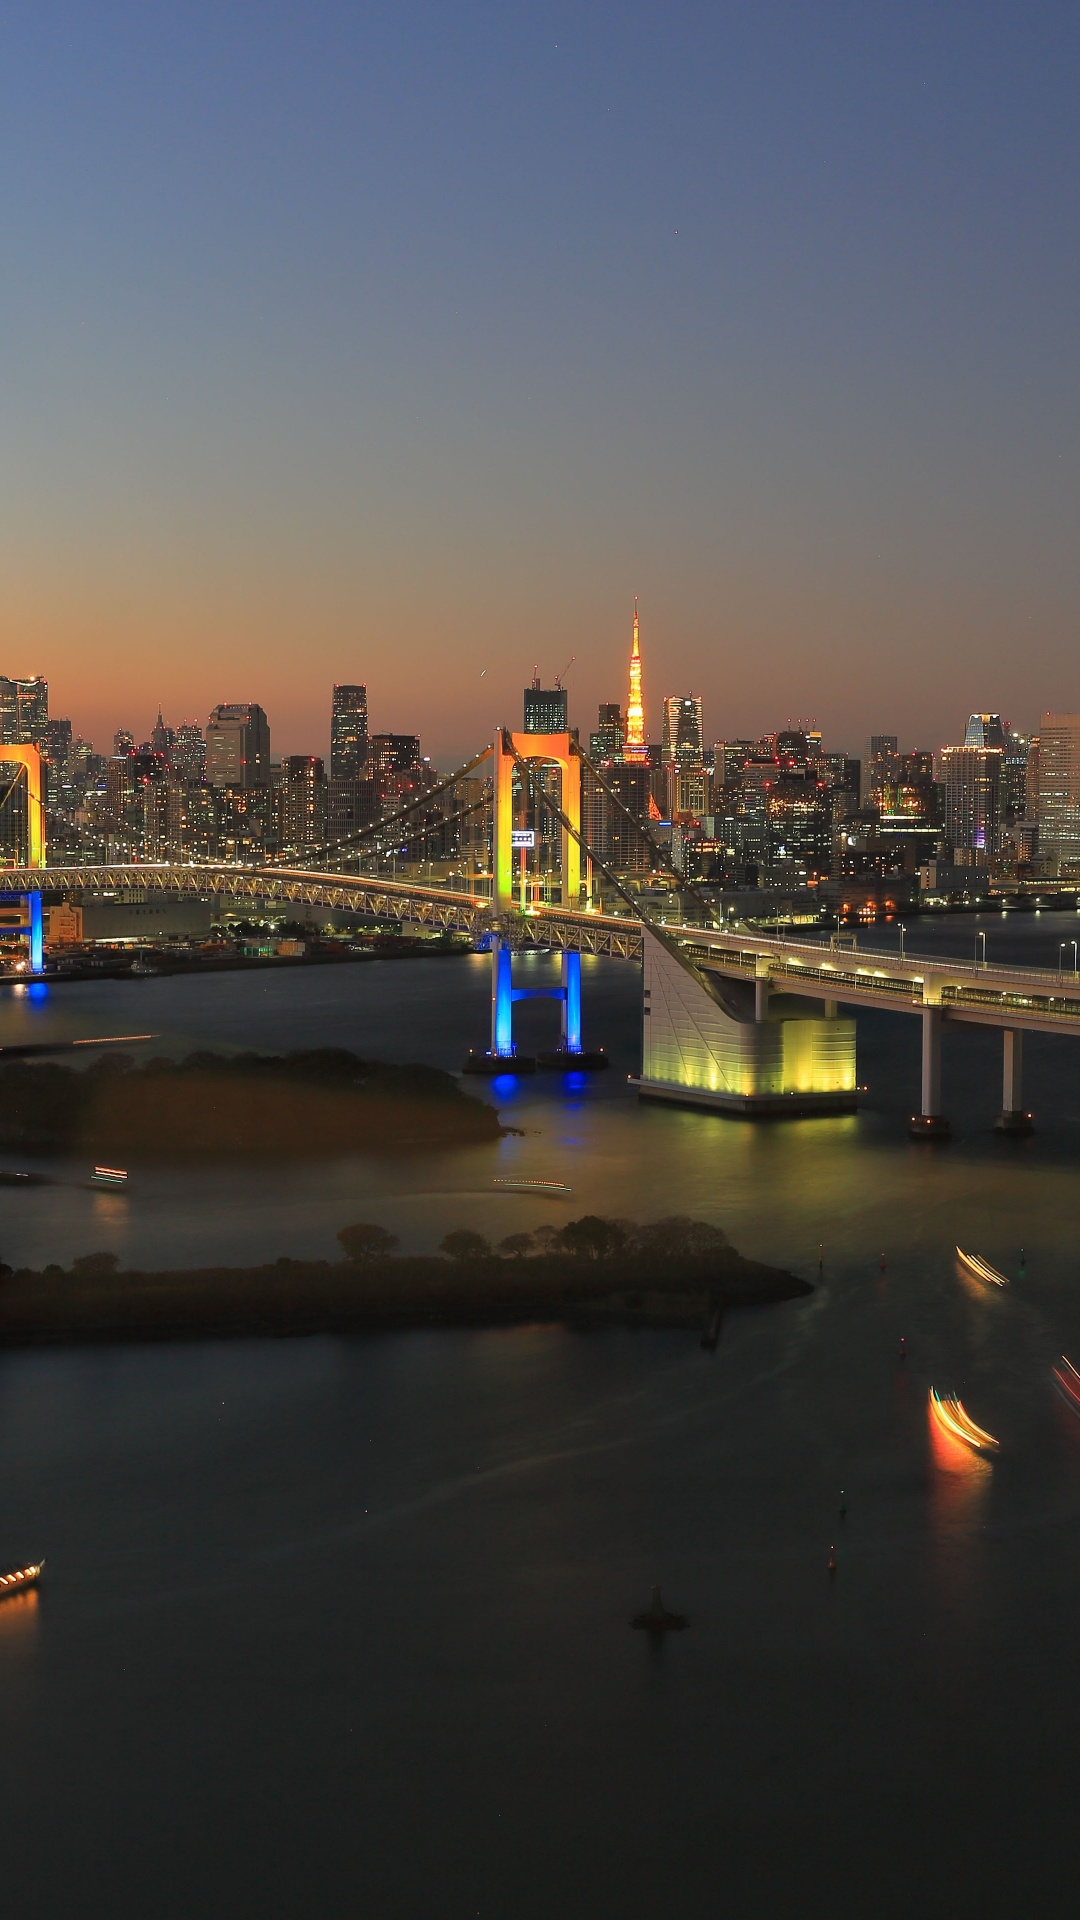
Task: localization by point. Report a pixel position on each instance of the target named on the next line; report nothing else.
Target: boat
(22, 1578)
(1069, 1381)
(8, 1178)
(108, 1177)
(554, 1187)
(981, 1269)
(953, 1419)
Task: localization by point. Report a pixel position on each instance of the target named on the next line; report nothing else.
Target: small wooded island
(674, 1273)
(213, 1106)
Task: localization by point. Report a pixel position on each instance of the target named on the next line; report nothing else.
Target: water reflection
(18, 1619)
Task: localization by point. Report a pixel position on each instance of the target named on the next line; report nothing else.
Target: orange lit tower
(634, 747)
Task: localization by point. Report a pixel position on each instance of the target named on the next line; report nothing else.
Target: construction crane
(560, 677)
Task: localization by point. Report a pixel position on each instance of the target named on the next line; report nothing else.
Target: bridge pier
(1012, 1118)
(930, 1123)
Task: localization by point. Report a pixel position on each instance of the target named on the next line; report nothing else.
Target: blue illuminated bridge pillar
(503, 1055)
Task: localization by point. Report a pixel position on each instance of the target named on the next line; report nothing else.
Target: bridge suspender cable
(383, 826)
(659, 932)
(662, 854)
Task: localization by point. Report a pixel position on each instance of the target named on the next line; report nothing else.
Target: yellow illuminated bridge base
(697, 1053)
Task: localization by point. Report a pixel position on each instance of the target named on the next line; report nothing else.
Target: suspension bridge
(732, 1019)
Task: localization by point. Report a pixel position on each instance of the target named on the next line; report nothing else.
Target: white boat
(981, 1269)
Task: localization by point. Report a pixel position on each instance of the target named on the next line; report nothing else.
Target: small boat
(1069, 1381)
(981, 1269)
(108, 1177)
(21, 1578)
(9, 1178)
(953, 1419)
(556, 1187)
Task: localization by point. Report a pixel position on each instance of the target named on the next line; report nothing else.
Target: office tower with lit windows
(684, 737)
(985, 730)
(348, 733)
(1058, 787)
(880, 767)
(238, 746)
(972, 781)
(24, 712)
(304, 785)
(188, 753)
(546, 708)
(610, 733)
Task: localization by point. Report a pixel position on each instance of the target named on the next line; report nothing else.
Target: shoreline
(294, 1298)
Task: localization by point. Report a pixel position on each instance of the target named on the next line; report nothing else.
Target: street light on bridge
(1067, 943)
(982, 956)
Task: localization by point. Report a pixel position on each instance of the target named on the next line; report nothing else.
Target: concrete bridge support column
(930, 1123)
(1012, 1118)
(761, 993)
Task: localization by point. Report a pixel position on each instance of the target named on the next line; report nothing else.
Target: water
(340, 1627)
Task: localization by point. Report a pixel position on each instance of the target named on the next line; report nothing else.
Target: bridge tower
(28, 757)
(548, 749)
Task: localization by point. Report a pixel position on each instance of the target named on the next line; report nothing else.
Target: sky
(407, 341)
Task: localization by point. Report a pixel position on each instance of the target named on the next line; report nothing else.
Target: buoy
(881, 1263)
(843, 1504)
(832, 1559)
(903, 1349)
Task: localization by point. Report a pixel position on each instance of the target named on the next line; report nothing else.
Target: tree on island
(95, 1266)
(464, 1244)
(593, 1238)
(678, 1237)
(514, 1246)
(366, 1241)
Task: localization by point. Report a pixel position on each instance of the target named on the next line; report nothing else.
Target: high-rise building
(348, 733)
(188, 755)
(397, 769)
(684, 737)
(238, 746)
(879, 767)
(1058, 786)
(123, 741)
(305, 800)
(162, 738)
(985, 730)
(610, 733)
(546, 708)
(634, 746)
(24, 712)
(972, 778)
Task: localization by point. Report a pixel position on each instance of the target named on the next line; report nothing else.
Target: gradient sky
(407, 342)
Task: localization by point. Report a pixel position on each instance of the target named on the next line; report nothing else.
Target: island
(675, 1273)
(255, 1106)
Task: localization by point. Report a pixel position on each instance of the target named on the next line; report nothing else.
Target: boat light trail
(951, 1415)
(981, 1269)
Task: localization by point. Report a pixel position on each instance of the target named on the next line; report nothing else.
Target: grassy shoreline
(293, 1297)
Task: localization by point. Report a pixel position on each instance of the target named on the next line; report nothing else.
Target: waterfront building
(238, 746)
(972, 782)
(546, 708)
(348, 733)
(1058, 790)
(684, 737)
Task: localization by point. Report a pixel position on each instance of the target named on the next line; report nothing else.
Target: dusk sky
(406, 342)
